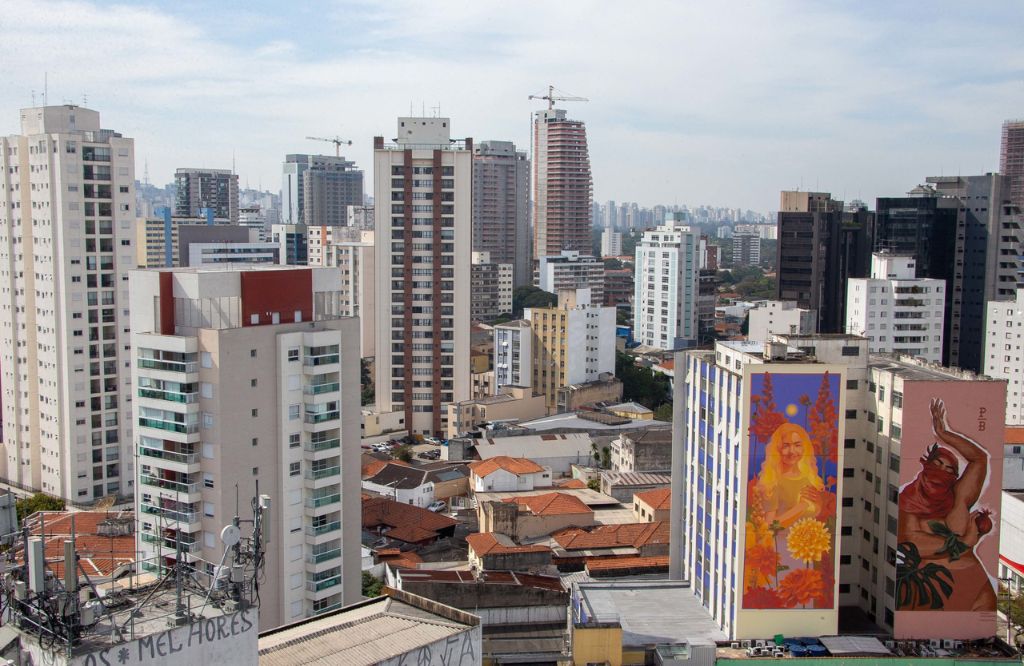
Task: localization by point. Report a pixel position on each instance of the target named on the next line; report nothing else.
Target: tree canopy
(26, 506)
(529, 296)
(643, 385)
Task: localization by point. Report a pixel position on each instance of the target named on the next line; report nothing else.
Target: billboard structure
(791, 511)
(949, 499)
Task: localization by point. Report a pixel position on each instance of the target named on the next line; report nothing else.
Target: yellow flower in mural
(808, 540)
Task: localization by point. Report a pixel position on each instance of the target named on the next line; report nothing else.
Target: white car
(437, 506)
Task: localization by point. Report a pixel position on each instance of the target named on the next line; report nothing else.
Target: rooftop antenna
(145, 172)
(85, 99)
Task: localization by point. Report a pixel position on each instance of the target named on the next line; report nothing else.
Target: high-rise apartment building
(490, 288)
(244, 381)
(355, 260)
(573, 343)
(571, 270)
(666, 302)
(513, 354)
(329, 186)
(501, 207)
(66, 244)
(197, 190)
(768, 318)
(964, 230)
(1004, 359)
(746, 246)
(562, 184)
(1011, 159)
(821, 246)
(423, 206)
(897, 312)
(800, 467)
(611, 243)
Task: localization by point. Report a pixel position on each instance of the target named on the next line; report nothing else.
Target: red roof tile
(99, 555)
(517, 466)
(552, 504)
(485, 543)
(659, 498)
(406, 522)
(614, 563)
(571, 484)
(635, 535)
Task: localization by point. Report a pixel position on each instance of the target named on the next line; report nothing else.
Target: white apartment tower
(782, 317)
(667, 266)
(895, 311)
(513, 354)
(571, 270)
(1004, 330)
(423, 210)
(66, 241)
(245, 378)
(611, 243)
(355, 261)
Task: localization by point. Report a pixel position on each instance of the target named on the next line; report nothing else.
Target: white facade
(228, 399)
(571, 270)
(611, 243)
(895, 311)
(504, 481)
(215, 254)
(423, 208)
(67, 237)
(1011, 541)
(1003, 358)
(355, 261)
(665, 305)
(513, 354)
(782, 317)
(421, 496)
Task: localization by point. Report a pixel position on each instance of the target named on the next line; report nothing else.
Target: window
(207, 480)
(895, 431)
(847, 472)
(897, 399)
(206, 359)
(252, 352)
(851, 351)
(846, 530)
(847, 501)
(294, 439)
(294, 469)
(252, 383)
(849, 443)
(293, 412)
(851, 413)
(851, 384)
(208, 509)
(255, 471)
(255, 413)
(844, 588)
(255, 441)
(293, 354)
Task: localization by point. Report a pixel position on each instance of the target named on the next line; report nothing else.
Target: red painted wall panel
(166, 303)
(283, 292)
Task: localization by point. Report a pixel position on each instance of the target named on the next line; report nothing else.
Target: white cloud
(690, 102)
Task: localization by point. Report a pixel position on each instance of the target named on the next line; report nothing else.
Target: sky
(712, 103)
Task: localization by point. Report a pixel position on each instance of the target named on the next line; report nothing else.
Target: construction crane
(337, 141)
(551, 97)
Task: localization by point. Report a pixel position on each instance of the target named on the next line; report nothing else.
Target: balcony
(167, 484)
(323, 445)
(187, 517)
(170, 396)
(320, 585)
(320, 610)
(322, 417)
(323, 472)
(323, 500)
(324, 556)
(170, 456)
(319, 389)
(169, 426)
(187, 367)
(326, 528)
(187, 545)
(323, 359)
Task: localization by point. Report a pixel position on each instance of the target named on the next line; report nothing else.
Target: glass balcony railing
(321, 417)
(326, 528)
(323, 445)
(170, 426)
(325, 359)
(317, 558)
(324, 500)
(171, 514)
(318, 585)
(170, 366)
(318, 389)
(173, 456)
(171, 396)
(320, 610)
(167, 484)
(323, 472)
(187, 545)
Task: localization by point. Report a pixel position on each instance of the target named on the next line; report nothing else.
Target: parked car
(437, 506)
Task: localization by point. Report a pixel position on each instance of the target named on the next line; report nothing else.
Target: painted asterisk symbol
(122, 656)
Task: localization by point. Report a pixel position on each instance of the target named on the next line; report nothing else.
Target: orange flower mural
(802, 586)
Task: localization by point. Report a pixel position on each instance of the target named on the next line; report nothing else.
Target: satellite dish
(230, 535)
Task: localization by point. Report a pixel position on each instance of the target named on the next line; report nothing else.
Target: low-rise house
(644, 451)
(403, 483)
(506, 474)
(404, 524)
(631, 410)
(492, 551)
(555, 451)
(381, 426)
(652, 505)
(623, 485)
(574, 547)
(513, 403)
(449, 480)
(534, 515)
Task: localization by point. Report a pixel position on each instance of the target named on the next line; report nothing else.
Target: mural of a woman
(939, 526)
(788, 482)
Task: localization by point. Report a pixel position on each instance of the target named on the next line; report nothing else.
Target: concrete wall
(507, 518)
(515, 562)
(474, 596)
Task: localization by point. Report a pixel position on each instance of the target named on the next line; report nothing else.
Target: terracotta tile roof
(571, 484)
(485, 543)
(517, 466)
(406, 522)
(668, 364)
(99, 555)
(552, 504)
(633, 535)
(605, 564)
(399, 475)
(1014, 435)
(660, 498)
(398, 559)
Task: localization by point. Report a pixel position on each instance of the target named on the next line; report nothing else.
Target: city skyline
(686, 102)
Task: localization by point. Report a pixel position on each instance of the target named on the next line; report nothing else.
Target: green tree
(612, 264)
(664, 412)
(371, 585)
(404, 453)
(366, 395)
(594, 484)
(26, 506)
(529, 296)
(641, 385)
